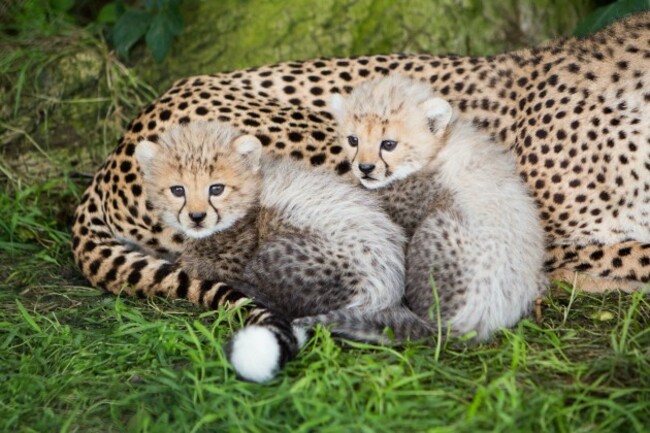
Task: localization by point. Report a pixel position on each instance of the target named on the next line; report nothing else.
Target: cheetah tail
(117, 268)
(371, 327)
(256, 352)
(267, 342)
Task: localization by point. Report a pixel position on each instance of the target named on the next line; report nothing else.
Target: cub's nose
(197, 217)
(366, 168)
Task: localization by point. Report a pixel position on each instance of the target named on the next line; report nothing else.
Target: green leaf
(129, 28)
(20, 85)
(120, 8)
(107, 14)
(61, 5)
(159, 37)
(605, 15)
(174, 19)
(27, 317)
(150, 5)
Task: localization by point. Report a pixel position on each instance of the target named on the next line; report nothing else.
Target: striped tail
(119, 269)
(371, 327)
(266, 343)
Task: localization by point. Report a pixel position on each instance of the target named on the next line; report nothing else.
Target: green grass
(73, 359)
(78, 360)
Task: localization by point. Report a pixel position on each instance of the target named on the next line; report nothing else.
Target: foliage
(234, 34)
(605, 15)
(25, 225)
(64, 101)
(76, 360)
(158, 21)
(43, 16)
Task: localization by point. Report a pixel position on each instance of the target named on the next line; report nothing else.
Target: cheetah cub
(299, 242)
(469, 219)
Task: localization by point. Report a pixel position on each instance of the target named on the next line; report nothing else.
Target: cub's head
(201, 178)
(391, 128)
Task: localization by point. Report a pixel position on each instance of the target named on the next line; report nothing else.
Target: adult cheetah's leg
(598, 268)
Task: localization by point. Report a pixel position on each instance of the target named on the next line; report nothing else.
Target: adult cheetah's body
(574, 112)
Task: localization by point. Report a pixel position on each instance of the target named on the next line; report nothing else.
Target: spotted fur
(298, 242)
(472, 226)
(573, 112)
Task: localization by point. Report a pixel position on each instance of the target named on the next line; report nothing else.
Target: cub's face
(198, 196)
(391, 128)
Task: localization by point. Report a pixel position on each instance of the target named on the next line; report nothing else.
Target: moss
(232, 34)
(65, 89)
(68, 91)
(66, 96)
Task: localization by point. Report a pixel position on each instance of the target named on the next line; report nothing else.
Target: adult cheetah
(574, 112)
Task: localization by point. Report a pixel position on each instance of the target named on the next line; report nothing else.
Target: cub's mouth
(371, 182)
(199, 232)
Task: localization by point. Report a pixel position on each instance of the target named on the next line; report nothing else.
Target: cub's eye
(388, 145)
(353, 141)
(177, 191)
(217, 189)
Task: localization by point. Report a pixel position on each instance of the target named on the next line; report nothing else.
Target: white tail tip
(255, 354)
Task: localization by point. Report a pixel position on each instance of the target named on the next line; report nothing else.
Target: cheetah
(470, 221)
(298, 242)
(573, 112)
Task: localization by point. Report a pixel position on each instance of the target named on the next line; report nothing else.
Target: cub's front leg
(218, 257)
(435, 262)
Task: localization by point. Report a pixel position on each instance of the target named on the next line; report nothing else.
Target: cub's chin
(200, 233)
(369, 183)
(400, 173)
(223, 224)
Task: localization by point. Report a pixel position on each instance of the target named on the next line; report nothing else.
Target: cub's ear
(439, 113)
(250, 148)
(337, 105)
(145, 153)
